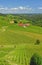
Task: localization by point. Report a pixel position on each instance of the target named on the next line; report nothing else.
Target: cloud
(19, 9)
(13, 9)
(3, 8)
(22, 8)
(40, 8)
(25, 8)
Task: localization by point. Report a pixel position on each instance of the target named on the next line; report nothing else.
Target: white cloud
(22, 8)
(25, 8)
(40, 8)
(3, 8)
(13, 9)
(19, 9)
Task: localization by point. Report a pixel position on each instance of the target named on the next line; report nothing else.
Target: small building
(20, 24)
(27, 24)
(24, 25)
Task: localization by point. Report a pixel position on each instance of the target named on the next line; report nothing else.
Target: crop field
(17, 44)
(20, 55)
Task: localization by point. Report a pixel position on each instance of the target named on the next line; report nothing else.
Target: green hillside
(17, 43)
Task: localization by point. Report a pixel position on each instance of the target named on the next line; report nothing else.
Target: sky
(20, 6)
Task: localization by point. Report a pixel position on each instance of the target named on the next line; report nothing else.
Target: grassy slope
(23, 38)
(16, 35)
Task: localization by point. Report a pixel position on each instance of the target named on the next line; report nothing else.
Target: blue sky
(20, 6)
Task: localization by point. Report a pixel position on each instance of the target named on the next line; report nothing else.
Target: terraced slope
(17, 44)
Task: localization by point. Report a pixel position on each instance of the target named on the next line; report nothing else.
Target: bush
(35, 60)
(15, 21)
(37, 42)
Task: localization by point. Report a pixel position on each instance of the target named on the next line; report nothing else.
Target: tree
(35, 60)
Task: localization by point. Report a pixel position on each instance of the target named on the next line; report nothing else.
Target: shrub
(35, 60)
(37, 42)
(15, 21)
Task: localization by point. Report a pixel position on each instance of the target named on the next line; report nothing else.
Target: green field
(17, 44)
